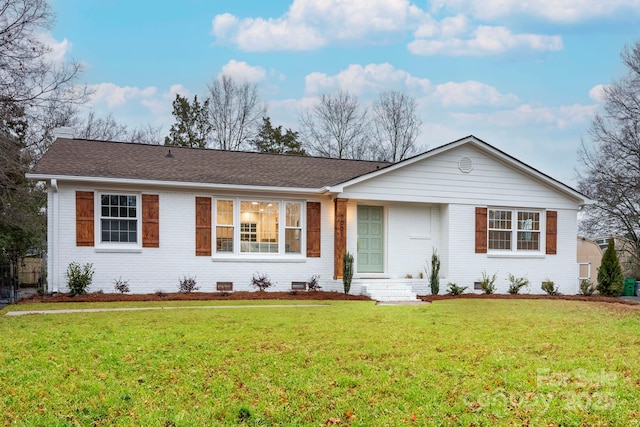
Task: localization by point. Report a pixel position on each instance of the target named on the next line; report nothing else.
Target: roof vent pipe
(169, 155)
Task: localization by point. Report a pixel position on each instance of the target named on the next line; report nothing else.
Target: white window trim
(514, 252)
(281, 255)
(101, 246)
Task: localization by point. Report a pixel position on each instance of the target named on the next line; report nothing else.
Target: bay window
(258, 226)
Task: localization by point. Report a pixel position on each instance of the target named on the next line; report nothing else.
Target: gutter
(174, 184)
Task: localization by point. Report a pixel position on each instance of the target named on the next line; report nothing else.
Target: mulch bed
(592, 298)
(197, 296)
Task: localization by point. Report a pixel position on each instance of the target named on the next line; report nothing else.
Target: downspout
(53, 268)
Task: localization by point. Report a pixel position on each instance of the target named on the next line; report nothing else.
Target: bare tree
(337, 127)
(36, 92)
(235, 112)
(610, 173)
(27, 75)
(396, 126)
(98, 128)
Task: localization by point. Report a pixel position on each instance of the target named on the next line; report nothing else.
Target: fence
(8, 282)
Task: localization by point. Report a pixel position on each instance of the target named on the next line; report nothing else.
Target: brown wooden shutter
(150, 221)
(481, 230)
(552, 232)
(84, 218)
(203, 226)
(313, 229)
(339, 236)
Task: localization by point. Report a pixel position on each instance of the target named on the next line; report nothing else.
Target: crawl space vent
(465, 164)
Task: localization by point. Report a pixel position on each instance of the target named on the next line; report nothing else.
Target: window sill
(271, 259)
(539, 255)
(119, 249)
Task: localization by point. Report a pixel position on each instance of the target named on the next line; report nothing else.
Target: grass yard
(455, 362)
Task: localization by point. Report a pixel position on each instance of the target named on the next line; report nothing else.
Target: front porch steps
(388, 292)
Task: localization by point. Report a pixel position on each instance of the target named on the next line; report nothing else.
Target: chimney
(63, 132)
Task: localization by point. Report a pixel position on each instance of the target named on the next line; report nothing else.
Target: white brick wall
(412, 231)
(466, 267)
(153, 269)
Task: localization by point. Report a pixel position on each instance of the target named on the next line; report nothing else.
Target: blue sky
(523, 76)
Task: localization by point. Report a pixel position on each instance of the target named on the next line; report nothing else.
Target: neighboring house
(626, 254)
(153, 214)
(589, 259)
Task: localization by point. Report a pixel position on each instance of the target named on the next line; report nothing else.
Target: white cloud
(471, 93)
(484, 40)
(311, 24)
(57, 49)
(372, 78)
(164, 104)
(597, 93)
(525, 115)
(563, 11)
(115, 95)
(242, 71)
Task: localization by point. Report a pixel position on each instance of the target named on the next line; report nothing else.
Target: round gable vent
(465, 165)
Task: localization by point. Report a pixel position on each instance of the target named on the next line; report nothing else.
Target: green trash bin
(629, 287)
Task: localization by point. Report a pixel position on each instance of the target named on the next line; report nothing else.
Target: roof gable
(485, 149)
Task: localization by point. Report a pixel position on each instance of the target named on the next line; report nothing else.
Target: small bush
(434, 273)
(487, 283)
(587, 287)
(610, 277)
(517, 283)
(187, 285)
(79, 278)
(121, 286)
(261, 281)
(549, 287)
(312, 283)
(347, 271)
(454, 289)
(160, 293)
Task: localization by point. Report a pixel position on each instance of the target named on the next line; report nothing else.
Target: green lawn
(455, 362)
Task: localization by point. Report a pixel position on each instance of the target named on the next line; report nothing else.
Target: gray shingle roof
(85, 158)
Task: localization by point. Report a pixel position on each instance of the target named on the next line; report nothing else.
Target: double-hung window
(293, 227)
(118, 218)
(224, 226)
(514, 230)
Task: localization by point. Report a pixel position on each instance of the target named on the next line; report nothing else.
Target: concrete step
(388, 292)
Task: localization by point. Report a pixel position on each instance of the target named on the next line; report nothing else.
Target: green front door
(370, 239)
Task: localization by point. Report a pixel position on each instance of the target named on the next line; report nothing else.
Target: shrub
(79, 278)
(347, 271)
(434, 273)
(610, 278)
(121, 286)
(487, 283)
(261, 281)
(549, 287)
(454, 289)
(517, 283)
(587, 287)
(312, 283)
(187, 285)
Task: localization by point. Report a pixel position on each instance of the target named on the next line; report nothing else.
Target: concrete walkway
(100, 310)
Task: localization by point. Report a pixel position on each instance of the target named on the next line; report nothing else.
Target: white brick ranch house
(152, 214)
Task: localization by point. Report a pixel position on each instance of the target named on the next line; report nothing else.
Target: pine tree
(272, 140)
(192, 126)
(610, 278)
